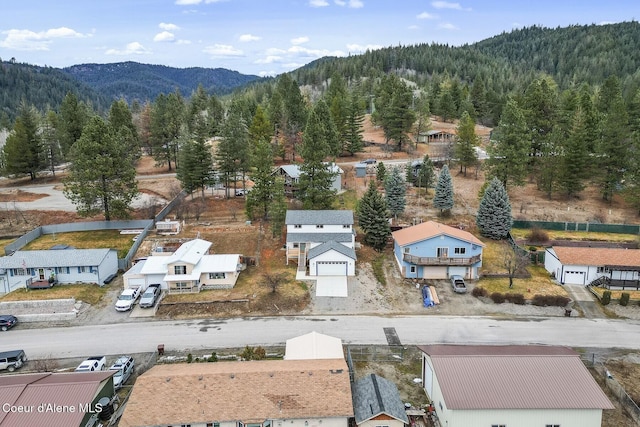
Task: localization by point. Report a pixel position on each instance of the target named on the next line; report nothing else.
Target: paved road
(211, 334)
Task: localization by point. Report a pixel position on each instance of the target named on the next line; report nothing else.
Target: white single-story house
(189, 269)
(582, 266)
(313, 346)
(291, 175)
(65, 265)
(511, 385)
(376, 403)
(257, 393)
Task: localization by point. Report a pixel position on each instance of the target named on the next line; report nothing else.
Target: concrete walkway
(586, 301)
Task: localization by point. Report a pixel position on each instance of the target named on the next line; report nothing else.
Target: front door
(443, 252)
(41, 273)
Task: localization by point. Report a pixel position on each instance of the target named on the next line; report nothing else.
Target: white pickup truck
(90, 364)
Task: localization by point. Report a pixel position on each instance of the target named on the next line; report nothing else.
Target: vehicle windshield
(125, 297)
(118, 373)
(147, 294)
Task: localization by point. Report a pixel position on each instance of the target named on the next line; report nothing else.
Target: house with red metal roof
(61, 399)
(617, 267)
(511, 385)
(431, 250)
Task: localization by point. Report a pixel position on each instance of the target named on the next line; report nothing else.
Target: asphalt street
(204, 334)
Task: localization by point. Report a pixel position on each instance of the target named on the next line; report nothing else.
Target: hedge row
(539, 300)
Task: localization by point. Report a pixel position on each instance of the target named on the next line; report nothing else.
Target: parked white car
(90, 364)
(127, 299)
(124, 368)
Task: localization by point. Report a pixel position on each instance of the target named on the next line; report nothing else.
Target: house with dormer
(321, 241)
(291, 175)
(431, 250)
(189, 269)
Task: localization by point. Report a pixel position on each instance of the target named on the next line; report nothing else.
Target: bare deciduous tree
(514, 261)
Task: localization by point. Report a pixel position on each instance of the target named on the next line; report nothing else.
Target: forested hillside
(142, 82)
(43, 87)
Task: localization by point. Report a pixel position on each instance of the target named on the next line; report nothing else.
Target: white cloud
(168, 27)
(427, 15)
(447, 26)
(184, 42)
(353, 4)
(192, 2)
(270, 59)
(360, 48)
(275, 51)
(248, 38)
(133, 48)
(31, 40)
(448, 5)
(318, 3)
(222, 50)
(413, 27)
(300, 40)
(164, 36)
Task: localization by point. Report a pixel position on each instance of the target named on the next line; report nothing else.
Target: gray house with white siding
(66, 265)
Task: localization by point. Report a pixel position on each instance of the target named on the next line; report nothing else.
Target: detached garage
(332, 259)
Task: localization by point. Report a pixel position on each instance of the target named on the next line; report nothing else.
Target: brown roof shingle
(247, 391)
(430, 229)
(598, 256)
(514, 377)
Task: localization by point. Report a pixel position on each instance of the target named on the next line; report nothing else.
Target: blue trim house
(431, 250)
(66, 265)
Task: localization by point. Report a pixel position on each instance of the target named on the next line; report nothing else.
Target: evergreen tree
(353, 130)
(232, 150)
(575, 156)
(73, 117)
(494, 218)
(443, 198)
(395, 192)
(316, 178)
(277, 207)
(260, 197)
(466, 142)
(24, 152)
(329, 130)
(381, 172)
(426, 176)
(121, 120)
(509, 147)
(167, 115)
(394, 113)
(51, 144)
(195, 166)
(102, 178)
(339, 105)
(372, 218)
(446, 106)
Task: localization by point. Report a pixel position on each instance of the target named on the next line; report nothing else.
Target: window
(552, 425)
(296, 245)
(412, 269)
(603, 270)
(217, 275)
(185, 425)
(84, 269)
(406, 250)
(460, 251)
(180, 269)
(182, 285)
(297, 226)
(443, 252)
(498, 425)
(319, 226)
(346, 226)
(19, 272)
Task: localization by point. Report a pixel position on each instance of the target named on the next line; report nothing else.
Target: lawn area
(89, 293)
(522, 233)
(539, 284)
(96, 239)
(493, 255)
(5, 242)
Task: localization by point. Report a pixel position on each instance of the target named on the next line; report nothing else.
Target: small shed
(313, 346)
(168, 227)
(361, 170)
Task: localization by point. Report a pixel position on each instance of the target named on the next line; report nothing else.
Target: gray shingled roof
(373, 396)
(55, 258)
(326, 217)
(318, 237)
(327, 246)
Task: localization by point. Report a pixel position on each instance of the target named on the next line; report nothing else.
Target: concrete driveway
(331, 286)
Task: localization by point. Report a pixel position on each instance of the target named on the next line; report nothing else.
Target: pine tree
(395, 192)
(381, 172)
(195, 166)
(509, 148)
(315, 184)
(260, 197)
(575, 156)
(443, 198)
(232, 150)
(372, 218)
(466, 142)
(494, 218)
(24, 152)
(426, 177)
(73, 117)
(102, 177)
(277, 207)
(353, 130)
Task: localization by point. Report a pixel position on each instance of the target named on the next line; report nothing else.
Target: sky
(267, 37)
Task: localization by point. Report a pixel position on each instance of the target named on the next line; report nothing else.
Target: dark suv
(7, 321)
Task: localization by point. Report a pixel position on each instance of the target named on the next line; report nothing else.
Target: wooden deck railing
(440, 260)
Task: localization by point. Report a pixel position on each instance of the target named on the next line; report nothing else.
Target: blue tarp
(427, 300)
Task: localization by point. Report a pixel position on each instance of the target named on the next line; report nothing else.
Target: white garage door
(574, 277)
(135, 282)
(331, 268)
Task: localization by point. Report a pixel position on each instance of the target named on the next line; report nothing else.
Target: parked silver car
(150, 296)
(124, 368)
(458, 285)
